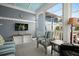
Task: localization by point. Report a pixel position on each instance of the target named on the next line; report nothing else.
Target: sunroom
(39, 29)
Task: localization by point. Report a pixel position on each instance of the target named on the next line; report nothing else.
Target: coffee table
(54, 44)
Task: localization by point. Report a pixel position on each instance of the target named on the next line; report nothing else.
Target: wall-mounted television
(21, 27)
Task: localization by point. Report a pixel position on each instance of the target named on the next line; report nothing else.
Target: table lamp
(72, 22)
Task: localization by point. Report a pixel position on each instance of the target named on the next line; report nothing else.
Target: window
(75, 13)
(56, 20)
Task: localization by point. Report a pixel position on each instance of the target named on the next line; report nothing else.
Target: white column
(36, 24)
(66, 27)
(40, 24)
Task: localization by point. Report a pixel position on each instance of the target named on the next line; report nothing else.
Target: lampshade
(72, 21)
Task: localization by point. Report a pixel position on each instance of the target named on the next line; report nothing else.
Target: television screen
(21, 27)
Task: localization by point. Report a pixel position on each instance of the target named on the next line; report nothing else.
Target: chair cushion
(45, 43)
(2, 41)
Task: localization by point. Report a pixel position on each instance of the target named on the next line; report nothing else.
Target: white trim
(6, 18)
(44, 8)
(14, 7)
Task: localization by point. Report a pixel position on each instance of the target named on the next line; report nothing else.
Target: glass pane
(57, 9)
(75, 10)
(75, 6)
(35, 6)
(23, 5)
(30, 6)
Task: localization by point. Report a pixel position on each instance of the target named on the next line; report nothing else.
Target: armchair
(44, 40)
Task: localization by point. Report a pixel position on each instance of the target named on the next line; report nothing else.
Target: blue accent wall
(8, 27)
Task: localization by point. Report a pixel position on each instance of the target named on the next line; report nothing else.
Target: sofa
(8, 48)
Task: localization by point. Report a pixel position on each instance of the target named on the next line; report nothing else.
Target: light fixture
(72, 22)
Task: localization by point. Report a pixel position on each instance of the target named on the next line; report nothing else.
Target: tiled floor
(30, 49)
